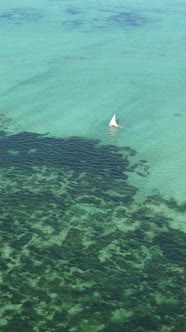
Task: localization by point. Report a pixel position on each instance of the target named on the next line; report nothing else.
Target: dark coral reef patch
(19, 16)
(128, 19)
(77, 252)
(96, 17)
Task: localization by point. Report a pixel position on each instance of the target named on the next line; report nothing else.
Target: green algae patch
(77, 252)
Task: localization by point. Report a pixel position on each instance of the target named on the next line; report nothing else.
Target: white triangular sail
(113, 121)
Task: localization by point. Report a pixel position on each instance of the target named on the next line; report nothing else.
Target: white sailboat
(113, 122)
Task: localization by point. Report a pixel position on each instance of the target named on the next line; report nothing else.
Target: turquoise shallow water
(92, 218)
(66, 67)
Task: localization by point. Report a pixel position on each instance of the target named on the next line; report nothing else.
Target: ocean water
(92, 220)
